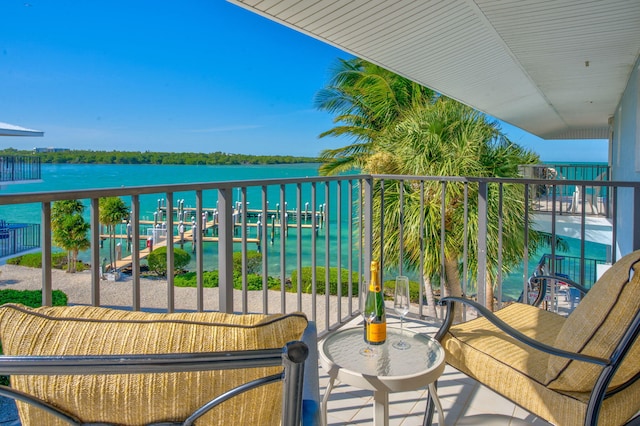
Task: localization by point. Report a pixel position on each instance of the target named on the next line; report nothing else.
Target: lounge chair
(88, 365)
(577, 370)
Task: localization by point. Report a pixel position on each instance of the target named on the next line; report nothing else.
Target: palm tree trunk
(75, 261)
(452, 284)
(431, 300)
(489, 295)
(112, 250)
(452, 278)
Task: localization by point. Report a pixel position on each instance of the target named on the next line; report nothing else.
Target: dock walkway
(188, 237)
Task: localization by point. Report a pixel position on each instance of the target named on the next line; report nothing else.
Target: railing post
(134, 221)
(46, 254)
(367, 213)
(199, 249)
(283, 248)
(636, 218)
(327, 251)
(225, 249)
(95, 251)
(265, 252)
(314, 261)
(482, 241)
(170, 253)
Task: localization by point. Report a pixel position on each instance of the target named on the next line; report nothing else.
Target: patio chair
(90, 365)
(577, 370)
(539, 287)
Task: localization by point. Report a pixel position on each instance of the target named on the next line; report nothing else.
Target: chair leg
(428, 412)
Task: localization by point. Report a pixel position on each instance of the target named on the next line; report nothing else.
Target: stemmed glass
(401, 306)
(368, 315)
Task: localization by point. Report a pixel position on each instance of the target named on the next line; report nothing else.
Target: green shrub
(414, 290)
(254, 282)
(189, 279)
(32, 298)
(254, 262)
(210, 279)
(306, 274)
(157, 260)
(34, 260)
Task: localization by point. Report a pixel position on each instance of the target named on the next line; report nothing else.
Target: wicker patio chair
(87, 365)
(577, 370)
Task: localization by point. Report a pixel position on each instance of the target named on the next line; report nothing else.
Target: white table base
(381, 405)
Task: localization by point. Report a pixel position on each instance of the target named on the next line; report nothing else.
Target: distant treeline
(147, 157)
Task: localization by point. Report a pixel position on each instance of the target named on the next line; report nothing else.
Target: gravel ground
(153, 294)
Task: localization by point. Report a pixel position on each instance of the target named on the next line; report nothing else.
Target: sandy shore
(154, 295)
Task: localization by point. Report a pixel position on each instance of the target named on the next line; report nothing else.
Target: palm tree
(70, 229)
(112, 212)
(447, 138)
(399, 127)
(366, 99)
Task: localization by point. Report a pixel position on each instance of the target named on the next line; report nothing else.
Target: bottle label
(374, 287)
(377, 332)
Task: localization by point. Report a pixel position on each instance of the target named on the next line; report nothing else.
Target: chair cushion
(517, 372)
(596, 326)
(81, 330)
(469, 345)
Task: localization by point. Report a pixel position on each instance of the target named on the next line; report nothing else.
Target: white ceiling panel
(556, 68)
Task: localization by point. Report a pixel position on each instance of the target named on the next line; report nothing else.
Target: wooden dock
(273, 221)
(188, 238)
(251, 213)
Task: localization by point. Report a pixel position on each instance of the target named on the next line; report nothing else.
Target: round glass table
(389, 370)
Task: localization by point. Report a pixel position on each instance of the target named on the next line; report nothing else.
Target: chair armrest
(542, 279)
(565, 280)
(493, 319)
(311, 387)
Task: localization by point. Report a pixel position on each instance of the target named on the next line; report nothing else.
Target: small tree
(70, 229)
(112, 212)
(157, 260)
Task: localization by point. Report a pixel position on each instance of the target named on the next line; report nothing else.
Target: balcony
(328, 222)
(564, 198)
(19, 169)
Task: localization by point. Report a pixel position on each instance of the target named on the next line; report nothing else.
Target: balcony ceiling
(556, 68)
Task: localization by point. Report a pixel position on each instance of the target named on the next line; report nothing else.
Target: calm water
(56, 177)
(83, 176)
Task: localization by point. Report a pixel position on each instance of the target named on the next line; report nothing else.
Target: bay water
(56, 177)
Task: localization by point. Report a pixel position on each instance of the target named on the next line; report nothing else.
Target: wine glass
(368, 315)
(401, 306)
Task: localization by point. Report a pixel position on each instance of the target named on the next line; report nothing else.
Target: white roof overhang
(11, 130)
(556, 68)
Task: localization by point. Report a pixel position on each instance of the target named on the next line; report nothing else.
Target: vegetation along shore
(148, 157)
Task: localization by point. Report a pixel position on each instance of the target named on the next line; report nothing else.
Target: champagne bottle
(376, 330)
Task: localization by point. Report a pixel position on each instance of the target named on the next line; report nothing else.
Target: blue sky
(181, 76)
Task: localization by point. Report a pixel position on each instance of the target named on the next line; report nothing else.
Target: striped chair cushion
(470, 344)
(595, 327)
(81, 330)
(486, 354)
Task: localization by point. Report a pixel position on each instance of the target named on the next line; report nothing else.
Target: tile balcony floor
(464, 401)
